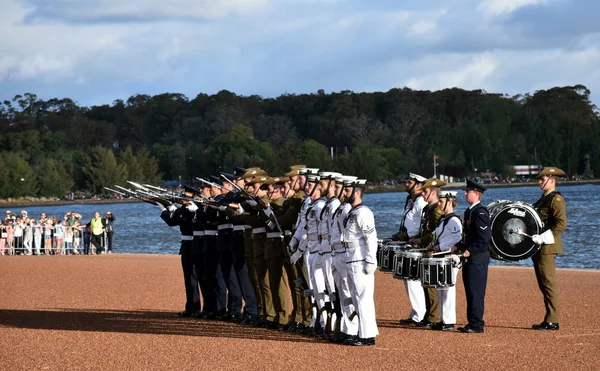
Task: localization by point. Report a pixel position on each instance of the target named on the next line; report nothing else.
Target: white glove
(160, 207)
(296, 256)
(171, 208)
(192, 207)
(222, 208)
(252, 203)
(369, 268)
(319, 262)
(546, 238)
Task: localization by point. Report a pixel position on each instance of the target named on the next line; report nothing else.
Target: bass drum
(511, 221)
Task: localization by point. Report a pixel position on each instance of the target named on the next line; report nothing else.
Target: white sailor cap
(328, 175)
(313, 178)
(355, 182)
(302, 170)
(344, 178)
(309, 171)
(448, 194)
(416, 177)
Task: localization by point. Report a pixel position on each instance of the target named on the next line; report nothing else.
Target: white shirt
(412, 215)
(361, 236)
(336, 228)
(300, 233)
(448, 232)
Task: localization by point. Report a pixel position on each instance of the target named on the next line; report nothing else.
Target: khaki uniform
(259, 240)
(297, 279)
(277, 279)
(553, 213)
(431, 215)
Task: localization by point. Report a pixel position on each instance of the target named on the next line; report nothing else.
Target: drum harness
(445, 219)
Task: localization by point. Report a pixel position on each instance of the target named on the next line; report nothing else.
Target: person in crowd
(3, 235)
(37, 236)
(28, 236)
(87, 239)
(110, 218)
(10, 238)
(77, 231)
(48, 231)
(68, 239)
(59, 236)
(18, 227)
(98, 225)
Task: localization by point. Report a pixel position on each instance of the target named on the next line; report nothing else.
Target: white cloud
(501, 7)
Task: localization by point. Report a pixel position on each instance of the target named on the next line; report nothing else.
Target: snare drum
(389, 251)
(407, 265)
(439, 272)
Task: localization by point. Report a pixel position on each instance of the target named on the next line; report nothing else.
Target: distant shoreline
(33, 202)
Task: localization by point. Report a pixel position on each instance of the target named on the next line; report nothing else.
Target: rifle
(209, 183)
(270, 214)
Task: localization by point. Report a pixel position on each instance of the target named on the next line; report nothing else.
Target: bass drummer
(448, 233)
(553, 212)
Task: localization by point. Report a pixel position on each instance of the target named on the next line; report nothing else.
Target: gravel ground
(117, 312)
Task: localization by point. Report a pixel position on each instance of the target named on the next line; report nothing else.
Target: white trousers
(326, 265)
(38, 243)
(447, 298)
(416, 295)
(27, 244)
(318, 283)
(362, 288)
(340, 276)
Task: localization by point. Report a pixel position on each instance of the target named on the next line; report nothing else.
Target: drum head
(508, 220)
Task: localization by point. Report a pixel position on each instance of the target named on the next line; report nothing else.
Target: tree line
(54, 146)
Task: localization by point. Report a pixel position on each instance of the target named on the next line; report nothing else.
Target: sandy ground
(117, 312)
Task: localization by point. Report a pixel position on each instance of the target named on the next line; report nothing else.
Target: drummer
(429, 220)
(409, 228)
(448, 234)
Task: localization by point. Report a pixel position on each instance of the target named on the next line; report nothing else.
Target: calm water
(138, 228)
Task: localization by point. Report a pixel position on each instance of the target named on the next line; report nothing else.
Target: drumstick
(518, 231)
(441, 252)
(417, 249)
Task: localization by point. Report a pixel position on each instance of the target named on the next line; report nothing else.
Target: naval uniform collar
(475, 204)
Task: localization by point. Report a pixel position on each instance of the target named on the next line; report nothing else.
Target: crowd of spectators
(22, 235)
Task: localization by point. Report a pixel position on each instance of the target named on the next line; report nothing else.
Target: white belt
(225, 226)
(338, 246)
(353, 244)
(312, 237)
(187, 238)
(198, 233)
(287, 233)
(239, 227)
(248, 226)
(274, 235)
(211, 232)
(259, 230)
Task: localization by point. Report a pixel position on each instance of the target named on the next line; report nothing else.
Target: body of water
(139, 229)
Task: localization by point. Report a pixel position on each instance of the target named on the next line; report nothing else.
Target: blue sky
(96, 51)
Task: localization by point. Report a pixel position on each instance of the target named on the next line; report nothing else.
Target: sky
(97, 51)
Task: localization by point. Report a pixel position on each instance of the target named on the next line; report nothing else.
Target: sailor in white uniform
(344, 325)
(410, 226)
(448, 234)
(360, 240)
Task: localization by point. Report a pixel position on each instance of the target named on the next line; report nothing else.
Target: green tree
(53, 179)
(314, 154)
(104, 171)
(19, 179)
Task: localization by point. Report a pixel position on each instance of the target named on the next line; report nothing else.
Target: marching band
(249, 240)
